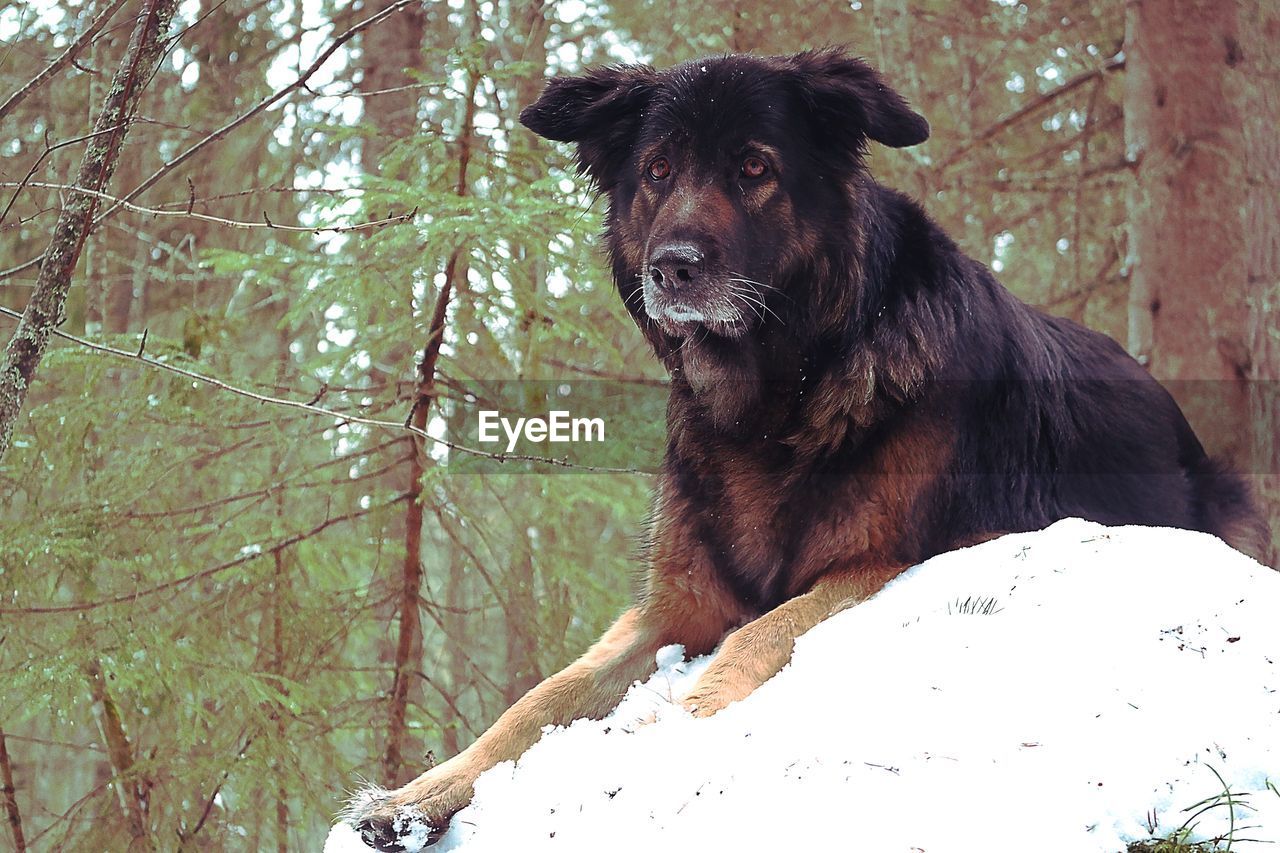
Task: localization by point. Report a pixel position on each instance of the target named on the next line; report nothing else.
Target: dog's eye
(754, 167)
(660, 168)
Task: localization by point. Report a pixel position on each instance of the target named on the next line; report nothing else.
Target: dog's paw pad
(404, 833)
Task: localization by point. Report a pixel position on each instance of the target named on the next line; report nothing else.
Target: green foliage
(233, 565)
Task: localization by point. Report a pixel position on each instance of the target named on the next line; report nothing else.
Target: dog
(850, 394)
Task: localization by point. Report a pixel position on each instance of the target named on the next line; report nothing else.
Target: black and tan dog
(850, 394)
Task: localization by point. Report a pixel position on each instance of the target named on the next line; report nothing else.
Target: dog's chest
(765, 534)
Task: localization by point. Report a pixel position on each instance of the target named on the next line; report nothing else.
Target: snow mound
(1069, 690)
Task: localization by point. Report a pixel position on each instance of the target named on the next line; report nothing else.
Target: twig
(353, 92)
(185, 836)
(1115, 63)
(47, 306)
(48, 149)
(231, 125)
(218, 220)
(262, 106)
(126, 598)
(341, 417)
(67, 56)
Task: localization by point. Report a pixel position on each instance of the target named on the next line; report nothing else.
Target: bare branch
(47, 307)
(126, 598)
(48, 149)
(67, 56)
(340, 417)
(218, 220)
(262, 106)
(229, 126)
(1115, 63)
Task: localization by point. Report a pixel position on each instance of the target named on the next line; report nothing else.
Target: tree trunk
(1187, 247)
(1260, 31)
(10, 793)
(409, 644)
(47, 308)
(390, 54)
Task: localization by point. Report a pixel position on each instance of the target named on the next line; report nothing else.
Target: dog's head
(724, 175)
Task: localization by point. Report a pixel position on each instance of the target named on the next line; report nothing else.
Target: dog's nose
(675, 265)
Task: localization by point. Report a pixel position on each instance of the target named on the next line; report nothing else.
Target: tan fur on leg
(589, 687)
(756, 652)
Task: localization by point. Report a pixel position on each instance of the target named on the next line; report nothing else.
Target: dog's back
(1091, 434)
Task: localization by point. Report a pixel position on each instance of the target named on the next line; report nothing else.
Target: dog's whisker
(755, 301)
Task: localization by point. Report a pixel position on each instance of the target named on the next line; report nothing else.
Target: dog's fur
(850, 394)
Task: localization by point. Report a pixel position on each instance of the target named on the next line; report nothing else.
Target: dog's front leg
(754, 653)
(589, 687)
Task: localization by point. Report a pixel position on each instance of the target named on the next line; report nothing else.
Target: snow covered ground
(1068, 690)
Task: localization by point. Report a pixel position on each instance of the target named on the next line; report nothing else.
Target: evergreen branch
(340, 417)
(65, 58)
(131, 597)
(188, 213)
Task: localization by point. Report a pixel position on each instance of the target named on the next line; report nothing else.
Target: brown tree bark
(47, 308)
(130, 790)
(1260, 103)
(64, 59)
(10, 794)
(520, 585)
(409, 642)
(1187, 254)
(390, 54)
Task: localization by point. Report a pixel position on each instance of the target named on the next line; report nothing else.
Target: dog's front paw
(704, 703)
(716, 690)
(411, 818)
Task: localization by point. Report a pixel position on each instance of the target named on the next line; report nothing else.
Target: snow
(1067, 690)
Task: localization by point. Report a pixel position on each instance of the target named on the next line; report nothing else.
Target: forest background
(232, 582)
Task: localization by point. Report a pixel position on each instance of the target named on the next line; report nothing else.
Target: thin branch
(1115, 63)
(48, 149)
(232, 125)
(341, 417)
(184, 836)
(353, 92)
(286, 484)
(262, 106)
(47, 306)
(188, 213)
(128, 598)
(65, 58)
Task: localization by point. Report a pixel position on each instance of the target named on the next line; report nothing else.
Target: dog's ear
(844, 92)
(600, 111)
